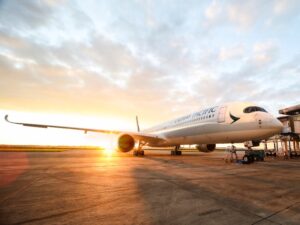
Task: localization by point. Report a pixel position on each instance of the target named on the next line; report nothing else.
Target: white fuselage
(227, 123)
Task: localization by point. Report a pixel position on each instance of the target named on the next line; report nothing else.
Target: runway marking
(275, 213)
(209, 212)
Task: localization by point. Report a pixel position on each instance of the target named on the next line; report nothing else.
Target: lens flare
(109, 151)
(109, 147)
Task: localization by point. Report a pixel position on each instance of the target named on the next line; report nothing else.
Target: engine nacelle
(206, 147)
(125, 143)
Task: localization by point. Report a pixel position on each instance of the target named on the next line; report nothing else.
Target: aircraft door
(222, 114)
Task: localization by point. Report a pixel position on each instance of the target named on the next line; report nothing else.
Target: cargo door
(222, 114)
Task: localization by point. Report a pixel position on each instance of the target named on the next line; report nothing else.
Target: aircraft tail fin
(137, 123)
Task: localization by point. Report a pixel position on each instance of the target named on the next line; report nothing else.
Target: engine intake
(206, 147)
(125, 143)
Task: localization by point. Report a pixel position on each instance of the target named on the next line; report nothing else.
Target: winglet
(6, 118)
(137, 123)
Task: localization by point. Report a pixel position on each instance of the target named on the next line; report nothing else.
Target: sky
(100, 63)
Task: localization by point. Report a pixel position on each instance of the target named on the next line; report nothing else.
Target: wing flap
(34, 125)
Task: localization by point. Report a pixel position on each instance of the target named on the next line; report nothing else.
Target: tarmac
(89, 187)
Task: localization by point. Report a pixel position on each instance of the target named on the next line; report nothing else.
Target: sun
(109, 151)
(109, 147)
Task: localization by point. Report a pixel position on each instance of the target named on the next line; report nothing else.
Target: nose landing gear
(176, 151)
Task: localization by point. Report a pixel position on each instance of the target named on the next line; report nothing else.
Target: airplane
(234, 122)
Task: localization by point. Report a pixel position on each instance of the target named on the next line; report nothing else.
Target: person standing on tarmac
(231, 155)
(233, 152)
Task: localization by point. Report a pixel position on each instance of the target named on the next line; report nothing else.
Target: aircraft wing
(137, 135)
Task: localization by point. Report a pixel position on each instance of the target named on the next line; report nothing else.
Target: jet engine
(125, 143)
(206, 147)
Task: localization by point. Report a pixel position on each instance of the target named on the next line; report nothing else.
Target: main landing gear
(176, 151)
(139, 151)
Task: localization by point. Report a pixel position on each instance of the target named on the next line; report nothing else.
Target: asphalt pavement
(89, 187)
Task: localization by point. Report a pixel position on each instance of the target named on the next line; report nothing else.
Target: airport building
(291, 120)
(288, 140)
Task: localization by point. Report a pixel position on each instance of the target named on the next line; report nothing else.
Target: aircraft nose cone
(276, 124)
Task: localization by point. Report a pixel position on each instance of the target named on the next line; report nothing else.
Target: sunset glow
(109, 145)
(109, 151)
(98, 64)
(52, 136)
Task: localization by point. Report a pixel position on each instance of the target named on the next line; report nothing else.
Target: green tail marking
(234, 118)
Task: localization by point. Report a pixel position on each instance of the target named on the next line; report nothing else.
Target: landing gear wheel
(176, 150)
(173, 152)
(138, 153)
(251, 158)
(247, 159)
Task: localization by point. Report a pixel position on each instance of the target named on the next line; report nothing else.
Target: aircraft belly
(192, 135)
(216, 133)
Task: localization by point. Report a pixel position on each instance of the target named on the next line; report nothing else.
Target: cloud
(22, 17)
(283, 14)
(284, 6)
(291, 68)
(127, 58)
(244, 14)
(229, 53)
(264, 53)
(213, 10)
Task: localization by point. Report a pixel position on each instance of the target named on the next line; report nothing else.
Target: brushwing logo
(234, 118)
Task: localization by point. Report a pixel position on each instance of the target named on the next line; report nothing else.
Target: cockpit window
(251, 109)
